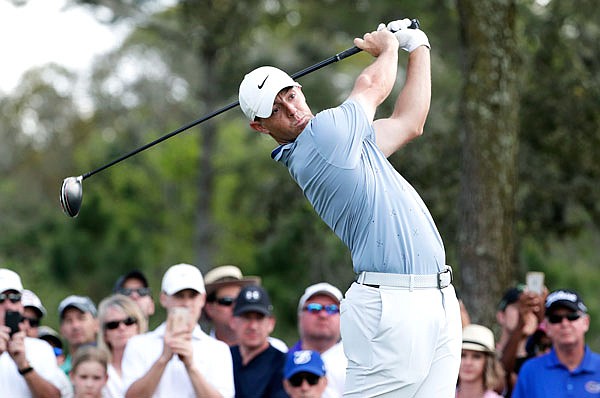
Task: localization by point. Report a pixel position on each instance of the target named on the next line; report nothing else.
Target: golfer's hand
(377, 42)
(408, 39)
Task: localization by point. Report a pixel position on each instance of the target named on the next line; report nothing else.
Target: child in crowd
(89, 372)
(481, 373)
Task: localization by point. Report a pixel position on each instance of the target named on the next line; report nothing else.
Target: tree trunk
(489, 113)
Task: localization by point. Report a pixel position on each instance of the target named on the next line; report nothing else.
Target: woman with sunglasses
(120, 319)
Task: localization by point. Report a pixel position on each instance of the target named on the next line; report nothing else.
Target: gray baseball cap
(82, 303)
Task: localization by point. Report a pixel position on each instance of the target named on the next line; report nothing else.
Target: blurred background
(508, 164)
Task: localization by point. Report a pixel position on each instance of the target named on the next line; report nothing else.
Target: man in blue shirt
(400, 321)
(571, 369)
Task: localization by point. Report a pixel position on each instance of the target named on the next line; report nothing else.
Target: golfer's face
(290, 115)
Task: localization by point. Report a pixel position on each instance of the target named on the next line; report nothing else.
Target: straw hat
(478, 338)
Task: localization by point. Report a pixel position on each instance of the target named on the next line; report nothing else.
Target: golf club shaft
(338, 57)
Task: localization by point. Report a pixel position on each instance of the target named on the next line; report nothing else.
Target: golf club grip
(338, 57)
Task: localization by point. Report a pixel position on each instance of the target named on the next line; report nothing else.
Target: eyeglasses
(13, 297)
(115, 324)
(33, 322)
(225, 301)
(142, 291)
(572, 316)
(315, 308)
(297, 379)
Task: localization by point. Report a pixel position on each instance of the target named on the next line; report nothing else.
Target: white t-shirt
(335, 363)
(42, 359)
(212, 358)
(114, 385)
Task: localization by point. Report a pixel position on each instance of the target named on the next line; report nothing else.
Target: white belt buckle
(441, 274)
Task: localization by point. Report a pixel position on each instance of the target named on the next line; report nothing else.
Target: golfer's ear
(258, 127)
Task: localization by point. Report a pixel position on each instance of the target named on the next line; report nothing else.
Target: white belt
(410, 281)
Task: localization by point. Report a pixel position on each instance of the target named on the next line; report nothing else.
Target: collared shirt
(546, 376)
(360, 195)
(335, 366)
(211, 357)
(42, 359)
(261, 377)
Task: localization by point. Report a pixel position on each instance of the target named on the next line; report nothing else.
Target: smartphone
(12, 320)
(535, 282)
(178, 319)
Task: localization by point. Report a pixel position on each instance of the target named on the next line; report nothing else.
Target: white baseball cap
(259, 89)
(182, 276)
(320, 288)
(30, 299)
(10, 280)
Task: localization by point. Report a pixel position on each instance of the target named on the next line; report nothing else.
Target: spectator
(177, 358)
(135, 285)
(571, 368)
(304, 374)
(120, 319)
(78, 325)
(223, 284)
(52, 337)
(33, 312)
(319, 328)
(538, 343)
(518, 314)
(480, 374)
(27, 365)
(257, 366)
(89, 372)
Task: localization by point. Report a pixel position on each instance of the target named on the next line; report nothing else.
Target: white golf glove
(409, 39)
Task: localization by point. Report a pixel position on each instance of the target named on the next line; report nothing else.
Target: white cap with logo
(259, 89)
(182, 276)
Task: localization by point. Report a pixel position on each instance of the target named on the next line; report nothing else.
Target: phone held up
(12, 320)
(178, 319)
(535, 282)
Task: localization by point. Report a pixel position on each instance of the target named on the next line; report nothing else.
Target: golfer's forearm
(412, 104)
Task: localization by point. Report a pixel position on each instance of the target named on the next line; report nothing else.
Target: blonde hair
(89, 353)
(493, 374)
(125, 304)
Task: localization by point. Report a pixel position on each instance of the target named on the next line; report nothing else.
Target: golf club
(71, 191)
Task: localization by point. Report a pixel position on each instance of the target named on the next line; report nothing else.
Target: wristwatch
(26, 370)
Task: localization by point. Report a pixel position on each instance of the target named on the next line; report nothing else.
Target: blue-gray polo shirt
(545, 377)
(360, 195)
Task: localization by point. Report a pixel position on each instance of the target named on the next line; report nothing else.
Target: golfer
(400, 320)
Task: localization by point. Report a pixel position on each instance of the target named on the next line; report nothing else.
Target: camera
(12, 320)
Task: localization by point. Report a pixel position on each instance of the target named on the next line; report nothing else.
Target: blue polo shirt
(261, 377)
(545, 377)
(360, 195)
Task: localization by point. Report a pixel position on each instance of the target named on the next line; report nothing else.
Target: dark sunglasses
(225, 301)
(142, 291)
(297, 379)
(33, 322)
(315, 308)
(13, 297)
(572, 316)
(115, 324)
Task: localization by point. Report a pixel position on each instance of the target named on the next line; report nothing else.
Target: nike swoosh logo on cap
(260, 86)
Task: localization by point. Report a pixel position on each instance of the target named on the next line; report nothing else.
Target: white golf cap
(323, 288)
(10, 280)
(259, 89)
(30, 299)
(182, 276)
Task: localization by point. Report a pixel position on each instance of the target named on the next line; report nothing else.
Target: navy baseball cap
(133, 274)
(303, 361)
(564, 298)
(253, 299)
(510, 296)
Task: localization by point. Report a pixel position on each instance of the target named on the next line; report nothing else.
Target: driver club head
(71, 195)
